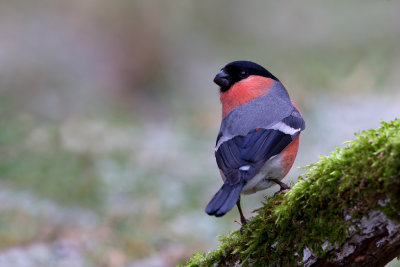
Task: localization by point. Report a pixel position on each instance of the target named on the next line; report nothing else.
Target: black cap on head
(239, 70)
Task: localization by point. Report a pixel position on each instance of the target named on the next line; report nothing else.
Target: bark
(375, 244)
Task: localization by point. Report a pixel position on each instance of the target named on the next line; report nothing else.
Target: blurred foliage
(45, 167)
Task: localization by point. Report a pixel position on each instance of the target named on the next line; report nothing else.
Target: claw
(282, 185)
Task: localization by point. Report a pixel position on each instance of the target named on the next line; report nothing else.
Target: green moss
(365, 174)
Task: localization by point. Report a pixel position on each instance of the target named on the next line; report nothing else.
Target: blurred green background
(108, 114)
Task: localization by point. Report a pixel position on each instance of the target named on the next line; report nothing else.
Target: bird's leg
(282, 185)
(243, 220)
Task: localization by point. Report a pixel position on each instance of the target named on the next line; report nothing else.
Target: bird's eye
(243, 74)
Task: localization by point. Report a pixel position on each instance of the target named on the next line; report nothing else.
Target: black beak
(222, 79)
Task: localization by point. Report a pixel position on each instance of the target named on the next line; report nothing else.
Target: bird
(259, 134)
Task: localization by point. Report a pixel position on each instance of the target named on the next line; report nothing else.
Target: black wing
(255, 148)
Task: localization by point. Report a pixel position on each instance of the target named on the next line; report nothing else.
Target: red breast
(244, 91)
(290, 152)
(288, 155)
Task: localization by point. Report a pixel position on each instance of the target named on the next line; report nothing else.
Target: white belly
(272, 169)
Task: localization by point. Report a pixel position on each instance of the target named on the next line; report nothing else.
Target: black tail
(224, 199)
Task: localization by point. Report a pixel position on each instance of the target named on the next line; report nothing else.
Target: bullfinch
(259, 135)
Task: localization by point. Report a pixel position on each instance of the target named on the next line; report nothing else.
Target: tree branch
(345, 211)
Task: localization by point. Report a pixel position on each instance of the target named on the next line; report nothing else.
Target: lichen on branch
(323, 209)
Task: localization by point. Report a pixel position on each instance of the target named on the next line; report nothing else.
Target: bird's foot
(280, 191)
(243, 222)
(282, 185)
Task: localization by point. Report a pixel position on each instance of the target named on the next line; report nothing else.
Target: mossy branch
(345, 211)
